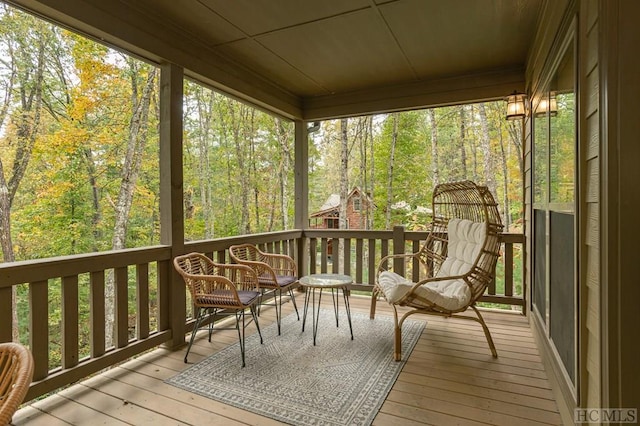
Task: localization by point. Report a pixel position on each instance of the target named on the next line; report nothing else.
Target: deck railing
(358, 253)
(66, 308)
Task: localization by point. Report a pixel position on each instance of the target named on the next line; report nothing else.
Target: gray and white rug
(338, 382)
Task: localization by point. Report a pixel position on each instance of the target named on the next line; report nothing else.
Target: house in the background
(328, 217)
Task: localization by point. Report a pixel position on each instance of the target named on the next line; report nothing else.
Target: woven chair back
(464, 200)
(190, 267)
(214, 284)
(16, 372)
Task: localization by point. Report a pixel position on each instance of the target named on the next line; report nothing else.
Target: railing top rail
(507, 237)
(224, 243)
(13, 273)
(346, 233)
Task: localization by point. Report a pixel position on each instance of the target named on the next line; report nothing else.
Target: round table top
(325, 280)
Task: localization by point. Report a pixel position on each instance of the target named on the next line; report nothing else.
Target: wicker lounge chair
(454, 266)
(219, 289)
(276, 272)
(16, 372)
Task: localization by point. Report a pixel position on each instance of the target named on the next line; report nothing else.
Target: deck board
(450, 378)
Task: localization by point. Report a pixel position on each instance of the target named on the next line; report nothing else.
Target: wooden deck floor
(449, 379)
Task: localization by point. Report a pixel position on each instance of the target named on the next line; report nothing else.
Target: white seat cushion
(393, 286)
(466, 239)
(449, 294)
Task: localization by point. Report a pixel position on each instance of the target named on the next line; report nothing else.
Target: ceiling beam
(432, 93)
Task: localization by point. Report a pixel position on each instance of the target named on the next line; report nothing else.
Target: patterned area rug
(338, 382)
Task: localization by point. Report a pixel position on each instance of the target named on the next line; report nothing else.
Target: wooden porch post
(301, 191)
(172, 297)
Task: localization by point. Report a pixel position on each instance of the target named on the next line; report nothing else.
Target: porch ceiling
(316, 59)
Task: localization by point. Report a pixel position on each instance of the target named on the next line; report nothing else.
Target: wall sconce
(548, 103)
(516, 106)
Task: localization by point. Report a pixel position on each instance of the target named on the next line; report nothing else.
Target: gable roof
(333, 202)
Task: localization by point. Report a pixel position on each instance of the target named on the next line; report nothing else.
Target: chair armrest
(221, 288)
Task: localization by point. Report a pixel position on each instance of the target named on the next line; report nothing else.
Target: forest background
(79, 154)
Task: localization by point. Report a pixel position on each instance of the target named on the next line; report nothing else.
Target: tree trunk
(474, 148)
(505, 173)
(344, 170)
(392, 155)
(286, 163)
(205, 102)
(136, 143)
(515, 134)
(95, 200)
(364, 170)
(372, 180)
(463, 151)
(435, 167)
(238, 120)
(30, 77)
(487, 153)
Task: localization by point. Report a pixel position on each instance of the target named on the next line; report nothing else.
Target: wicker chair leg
(487, 334)
(397, 344)
(374, 298)
(199, 317)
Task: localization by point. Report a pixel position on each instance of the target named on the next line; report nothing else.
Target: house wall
(619, 102)
(608, 175)
(557, 20)
(355, 218)
(589, 148)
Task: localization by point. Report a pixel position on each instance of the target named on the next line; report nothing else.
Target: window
(333, 223)
(554, 209)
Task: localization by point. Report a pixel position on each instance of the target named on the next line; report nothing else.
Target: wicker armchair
(276, 272)
(454, 266)
(219, 289)
(16, 372)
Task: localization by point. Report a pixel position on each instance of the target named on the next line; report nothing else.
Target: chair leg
(487, 334)
(211, 322)
(278, 307)
(293, 300)
(239, 315)
(260, 301)
(199, 317)
(255, 319)
(397, 343)
(374, 297)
